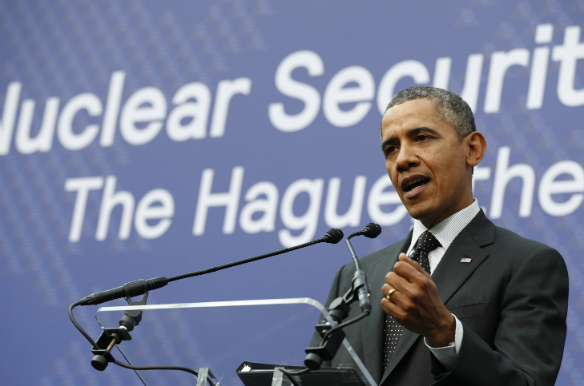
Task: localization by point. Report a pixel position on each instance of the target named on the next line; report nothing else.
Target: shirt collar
(447, 230)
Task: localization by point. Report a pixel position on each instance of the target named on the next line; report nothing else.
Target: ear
(476, 146)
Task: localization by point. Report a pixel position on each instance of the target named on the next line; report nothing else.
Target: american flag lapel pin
(465, 260)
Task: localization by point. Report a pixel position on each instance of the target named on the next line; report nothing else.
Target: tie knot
(427, 242)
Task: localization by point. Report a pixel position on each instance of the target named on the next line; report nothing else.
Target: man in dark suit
(473, 304)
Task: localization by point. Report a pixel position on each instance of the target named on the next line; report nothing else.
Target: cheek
(389, 167)
(441, 168)
(393, 176)
(449, 171)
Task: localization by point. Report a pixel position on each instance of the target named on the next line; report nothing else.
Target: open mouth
(414, 183)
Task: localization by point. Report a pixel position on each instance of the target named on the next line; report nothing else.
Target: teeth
(412, 182)
(416, 180)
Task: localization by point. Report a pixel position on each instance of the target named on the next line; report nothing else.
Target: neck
(429, 223)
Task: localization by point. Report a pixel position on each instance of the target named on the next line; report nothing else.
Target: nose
(406, 158)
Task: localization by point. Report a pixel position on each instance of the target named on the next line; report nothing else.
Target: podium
(234, 342)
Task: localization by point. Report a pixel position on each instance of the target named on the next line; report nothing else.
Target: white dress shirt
(445, 232)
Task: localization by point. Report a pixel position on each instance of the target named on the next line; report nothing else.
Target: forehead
(411, 115)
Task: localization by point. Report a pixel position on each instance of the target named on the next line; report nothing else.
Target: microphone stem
(240, 262)
(353, 254)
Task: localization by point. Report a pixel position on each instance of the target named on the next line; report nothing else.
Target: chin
(421, 211)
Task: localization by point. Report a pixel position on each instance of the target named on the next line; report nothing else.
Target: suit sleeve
(529, 342)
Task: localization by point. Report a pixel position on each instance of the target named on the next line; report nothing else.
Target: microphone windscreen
(333, 236)
(371, 230)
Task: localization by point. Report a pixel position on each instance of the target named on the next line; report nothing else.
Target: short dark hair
(452, 108)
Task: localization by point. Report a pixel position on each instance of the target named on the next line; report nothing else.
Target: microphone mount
(332, 337)
(112, 336)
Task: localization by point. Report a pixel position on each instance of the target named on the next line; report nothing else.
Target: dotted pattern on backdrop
(61, 49)
(34, 222)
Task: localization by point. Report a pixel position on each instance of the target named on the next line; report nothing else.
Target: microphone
(333, 236)
(139, 287)
(371, 231)
(133, 288)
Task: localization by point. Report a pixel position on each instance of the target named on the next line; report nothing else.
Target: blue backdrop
(148, 138)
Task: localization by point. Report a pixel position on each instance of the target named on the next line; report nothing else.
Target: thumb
(413, 263)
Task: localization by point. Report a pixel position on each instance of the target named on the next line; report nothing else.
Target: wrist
(444, 334)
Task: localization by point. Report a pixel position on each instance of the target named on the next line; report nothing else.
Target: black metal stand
(338, 310)
(112, 336)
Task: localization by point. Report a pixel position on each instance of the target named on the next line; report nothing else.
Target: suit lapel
(372, 332)
(451, 273)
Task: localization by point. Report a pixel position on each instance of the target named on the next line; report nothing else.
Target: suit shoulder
(505, 236)
(523, 248)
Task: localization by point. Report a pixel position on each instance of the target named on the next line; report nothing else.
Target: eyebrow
(410, 133)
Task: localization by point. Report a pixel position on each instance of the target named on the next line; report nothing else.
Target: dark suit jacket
(512, 300)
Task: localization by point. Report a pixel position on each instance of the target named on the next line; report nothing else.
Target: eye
(389, 150)
(423, 138)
